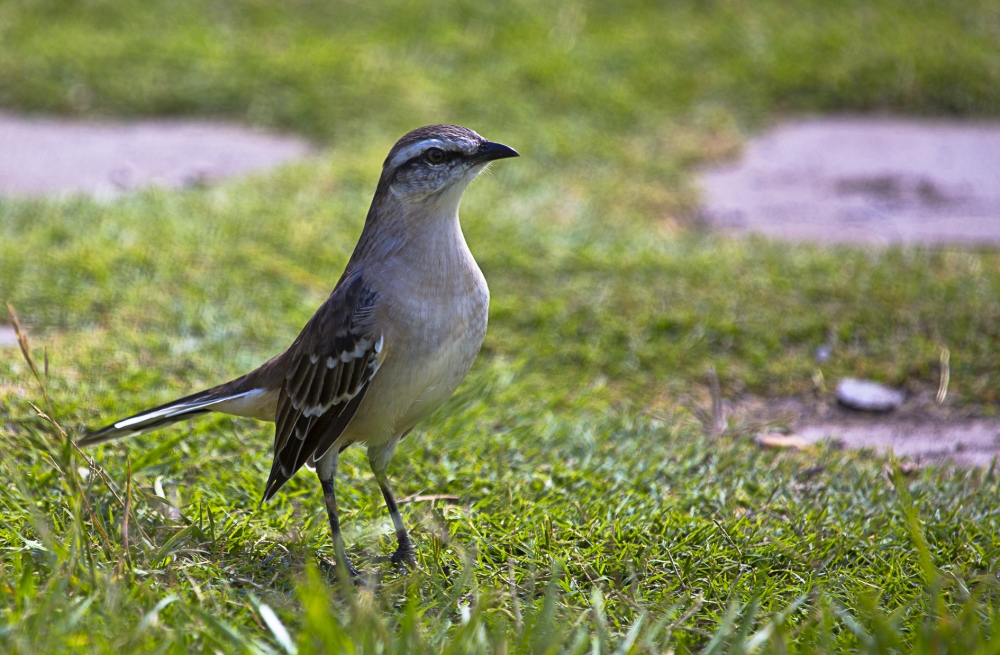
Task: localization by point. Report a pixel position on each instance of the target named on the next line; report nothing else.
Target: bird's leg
(326, 470)
(378, 458)
(404, 550)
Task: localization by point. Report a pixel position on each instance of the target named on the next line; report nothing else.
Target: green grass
(593, 510)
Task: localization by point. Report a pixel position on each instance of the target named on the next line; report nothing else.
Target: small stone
(868, 396)
(907, 468)
(823, 353)
(775, 440)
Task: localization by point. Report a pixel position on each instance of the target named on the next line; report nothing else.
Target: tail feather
(158, 417)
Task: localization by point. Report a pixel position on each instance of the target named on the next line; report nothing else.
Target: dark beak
(490, 151)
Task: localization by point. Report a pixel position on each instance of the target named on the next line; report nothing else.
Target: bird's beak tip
(491, 151)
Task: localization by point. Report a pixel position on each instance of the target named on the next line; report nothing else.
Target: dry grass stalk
(942, 392)
(718, 411)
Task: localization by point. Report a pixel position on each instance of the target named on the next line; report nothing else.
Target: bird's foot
(331, 567)
(404, 556)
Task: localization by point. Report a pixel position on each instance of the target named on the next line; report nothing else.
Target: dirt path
(863, 180)
(968, 442)
(56, 156)
(920, 430)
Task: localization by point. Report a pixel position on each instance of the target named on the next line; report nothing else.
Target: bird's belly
(420, 372)
(436, 382)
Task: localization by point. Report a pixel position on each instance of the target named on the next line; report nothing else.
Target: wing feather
(329, 367)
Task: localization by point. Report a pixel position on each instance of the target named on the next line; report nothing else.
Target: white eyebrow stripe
(413, 149)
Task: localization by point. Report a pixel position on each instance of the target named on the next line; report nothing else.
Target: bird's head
(437, 162)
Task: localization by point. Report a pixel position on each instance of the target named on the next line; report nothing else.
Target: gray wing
(327, 370)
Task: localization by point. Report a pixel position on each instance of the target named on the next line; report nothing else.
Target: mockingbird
(399, 332)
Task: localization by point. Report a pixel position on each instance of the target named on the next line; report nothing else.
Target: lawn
(569, 497)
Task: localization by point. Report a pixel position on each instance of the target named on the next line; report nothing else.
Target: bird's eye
(435, 155)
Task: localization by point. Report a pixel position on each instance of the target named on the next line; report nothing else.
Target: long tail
(177, 410)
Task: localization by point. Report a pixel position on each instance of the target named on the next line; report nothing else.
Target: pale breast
(434, 321)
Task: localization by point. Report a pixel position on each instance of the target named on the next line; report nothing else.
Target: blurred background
(182, 182)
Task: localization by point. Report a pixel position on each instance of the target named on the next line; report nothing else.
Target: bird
(400, 330)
